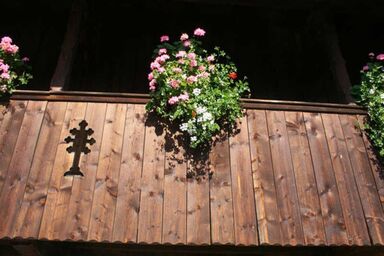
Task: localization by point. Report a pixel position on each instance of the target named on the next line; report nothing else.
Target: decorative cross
(79, 146)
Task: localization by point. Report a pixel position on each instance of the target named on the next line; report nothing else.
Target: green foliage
(370, 94)
(198, 90)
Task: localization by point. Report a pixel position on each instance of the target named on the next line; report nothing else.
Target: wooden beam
(67, 55)
(321, 20)
(26, 249)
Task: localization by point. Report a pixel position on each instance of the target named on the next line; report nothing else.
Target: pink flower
(184, 37)
(199, 32)
(365, 68)
(150, 76)
(164, 57)
(181, 54)
(191, 55)
(13, 49)
(191, 79)
(164, 38)
(181, 61)
(210, 58)
(155, 65)
(161, 70)
(187, 43)
(173, 100)
(162, 51)
(193, 63)
(177, 70)
(152, 85)
(25, 59)
(380, 56)
(202, 68)
(1, 61)
(4, 67)
(6, 40)
(174, 83)
(205, 74)
(5, 76)
(184, 96)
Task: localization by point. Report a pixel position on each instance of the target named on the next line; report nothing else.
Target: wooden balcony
(295, 174)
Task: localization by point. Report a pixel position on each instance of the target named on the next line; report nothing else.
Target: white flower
(184, 127)
(382, 96)
(196, 91)
(207, 116)
(201, 110)
(193, 138)
(372, 91)
(3, 88)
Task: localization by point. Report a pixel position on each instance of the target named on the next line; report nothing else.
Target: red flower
(232, 75)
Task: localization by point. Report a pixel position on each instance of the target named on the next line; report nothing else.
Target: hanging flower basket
(14, 70)
(199, 90)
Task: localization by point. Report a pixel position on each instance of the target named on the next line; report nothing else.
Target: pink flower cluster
(182, 97)
(380, 57)
(7, 46)
(4, 69)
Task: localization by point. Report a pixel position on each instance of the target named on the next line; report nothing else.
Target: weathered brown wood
(175, 196)
(74, 115)
(332, 213)
(198, 218)
(32, 206)
(128, 197)
(9, 131)
(18, 170)
(63, 69)
(365, 181)
(152, 187)
(287, 201)
(245, 218)
(350, 199)
(222, 222)
(80, 203)
(307, 192)
(105, 192)
(373, 160)
(268, 219)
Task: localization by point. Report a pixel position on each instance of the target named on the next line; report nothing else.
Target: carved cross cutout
(79, 145)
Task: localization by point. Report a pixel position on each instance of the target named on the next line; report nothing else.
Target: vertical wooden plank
(268, 220)
(335, 229)
(311, 218)
(152, 187)
(9, 131)
(128, 197)
(370, 200)
(350, 200)
(198, 217)
(105, 193)
(373, 160)
(18, 170)
(35, 196)
(80, 204)
(242, 187)
(222, 222)
(175, 196)
(74, 115)
(287, 201)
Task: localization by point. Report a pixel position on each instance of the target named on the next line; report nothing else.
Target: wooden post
(321, 21)
(67, 55)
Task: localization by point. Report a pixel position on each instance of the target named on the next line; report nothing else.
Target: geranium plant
(14, 70)
(370, 93)
(199, 90)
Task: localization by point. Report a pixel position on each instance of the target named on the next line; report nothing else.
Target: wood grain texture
(54, 203)
(80, 204)
(350, 198)
(334, 224)
(268, 219)
(18, 170)
(105, 192)
(175, 196)
(32, 206)
(9, 131)
(307, 192)
(365, 181)
(242, 187)
(376, 167)
(128, 197)
(152, 187)
(287, 201)
(222, 222)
